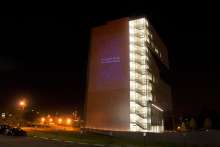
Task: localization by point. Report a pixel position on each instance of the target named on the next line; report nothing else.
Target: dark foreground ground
(190, 139)
(8, 141)
(58, 138)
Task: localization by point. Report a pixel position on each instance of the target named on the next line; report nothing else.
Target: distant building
(127, 78)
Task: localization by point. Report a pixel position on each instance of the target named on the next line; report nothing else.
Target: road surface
(8, 141)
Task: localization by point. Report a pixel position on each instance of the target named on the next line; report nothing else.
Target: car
(3, 128)
(15, 132)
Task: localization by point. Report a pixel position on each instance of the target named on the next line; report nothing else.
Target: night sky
(45, 57)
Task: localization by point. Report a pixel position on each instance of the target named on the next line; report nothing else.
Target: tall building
(127, 78)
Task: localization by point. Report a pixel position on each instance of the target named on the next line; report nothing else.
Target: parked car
(15, 132)
(3, 128)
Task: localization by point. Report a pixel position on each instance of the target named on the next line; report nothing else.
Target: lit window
(142, 20)
(132, 93)
(147, 32)
(147, 39)
(132, 48)
(143, 57)
(133, 127)
(144, 88)
(149, 87)
(132, 56)
(149, 96)
(143, 67)
(156, 50)
(131, 23)
(146, 22)
(133, 117)
(131, 30)
(132, 38)
(132, 75)
(144, 77)
(132, 64)
(132, 84)
(149, 76)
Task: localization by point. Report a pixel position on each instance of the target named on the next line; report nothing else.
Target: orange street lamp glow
(50, 119)
(22, 104)
(60, 120)
(68, 121)
(42, 119)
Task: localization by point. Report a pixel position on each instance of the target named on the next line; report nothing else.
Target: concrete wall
(108, 85)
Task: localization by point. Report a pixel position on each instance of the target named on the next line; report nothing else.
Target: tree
(192, 124)
(208, 123)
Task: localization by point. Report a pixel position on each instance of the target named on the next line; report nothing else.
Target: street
(8, 141)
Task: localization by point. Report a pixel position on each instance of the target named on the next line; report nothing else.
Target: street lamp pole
(22, 105)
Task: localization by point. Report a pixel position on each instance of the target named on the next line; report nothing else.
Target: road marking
(44, 138)
(54, 139)
(34, 136)
(69, 141)
(82, 143)
(98, 144)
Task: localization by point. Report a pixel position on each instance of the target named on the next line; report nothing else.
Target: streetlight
(51, 120)
(60, 120)
(42, 120)
(68, 121)
(22, 104)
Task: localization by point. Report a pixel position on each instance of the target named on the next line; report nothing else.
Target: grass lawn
(100, 139)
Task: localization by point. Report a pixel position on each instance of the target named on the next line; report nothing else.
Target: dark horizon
(47, 58)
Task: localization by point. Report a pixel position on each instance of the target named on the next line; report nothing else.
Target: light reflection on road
(51, 128)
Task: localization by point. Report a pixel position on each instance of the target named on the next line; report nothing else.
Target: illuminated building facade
(127, 84)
